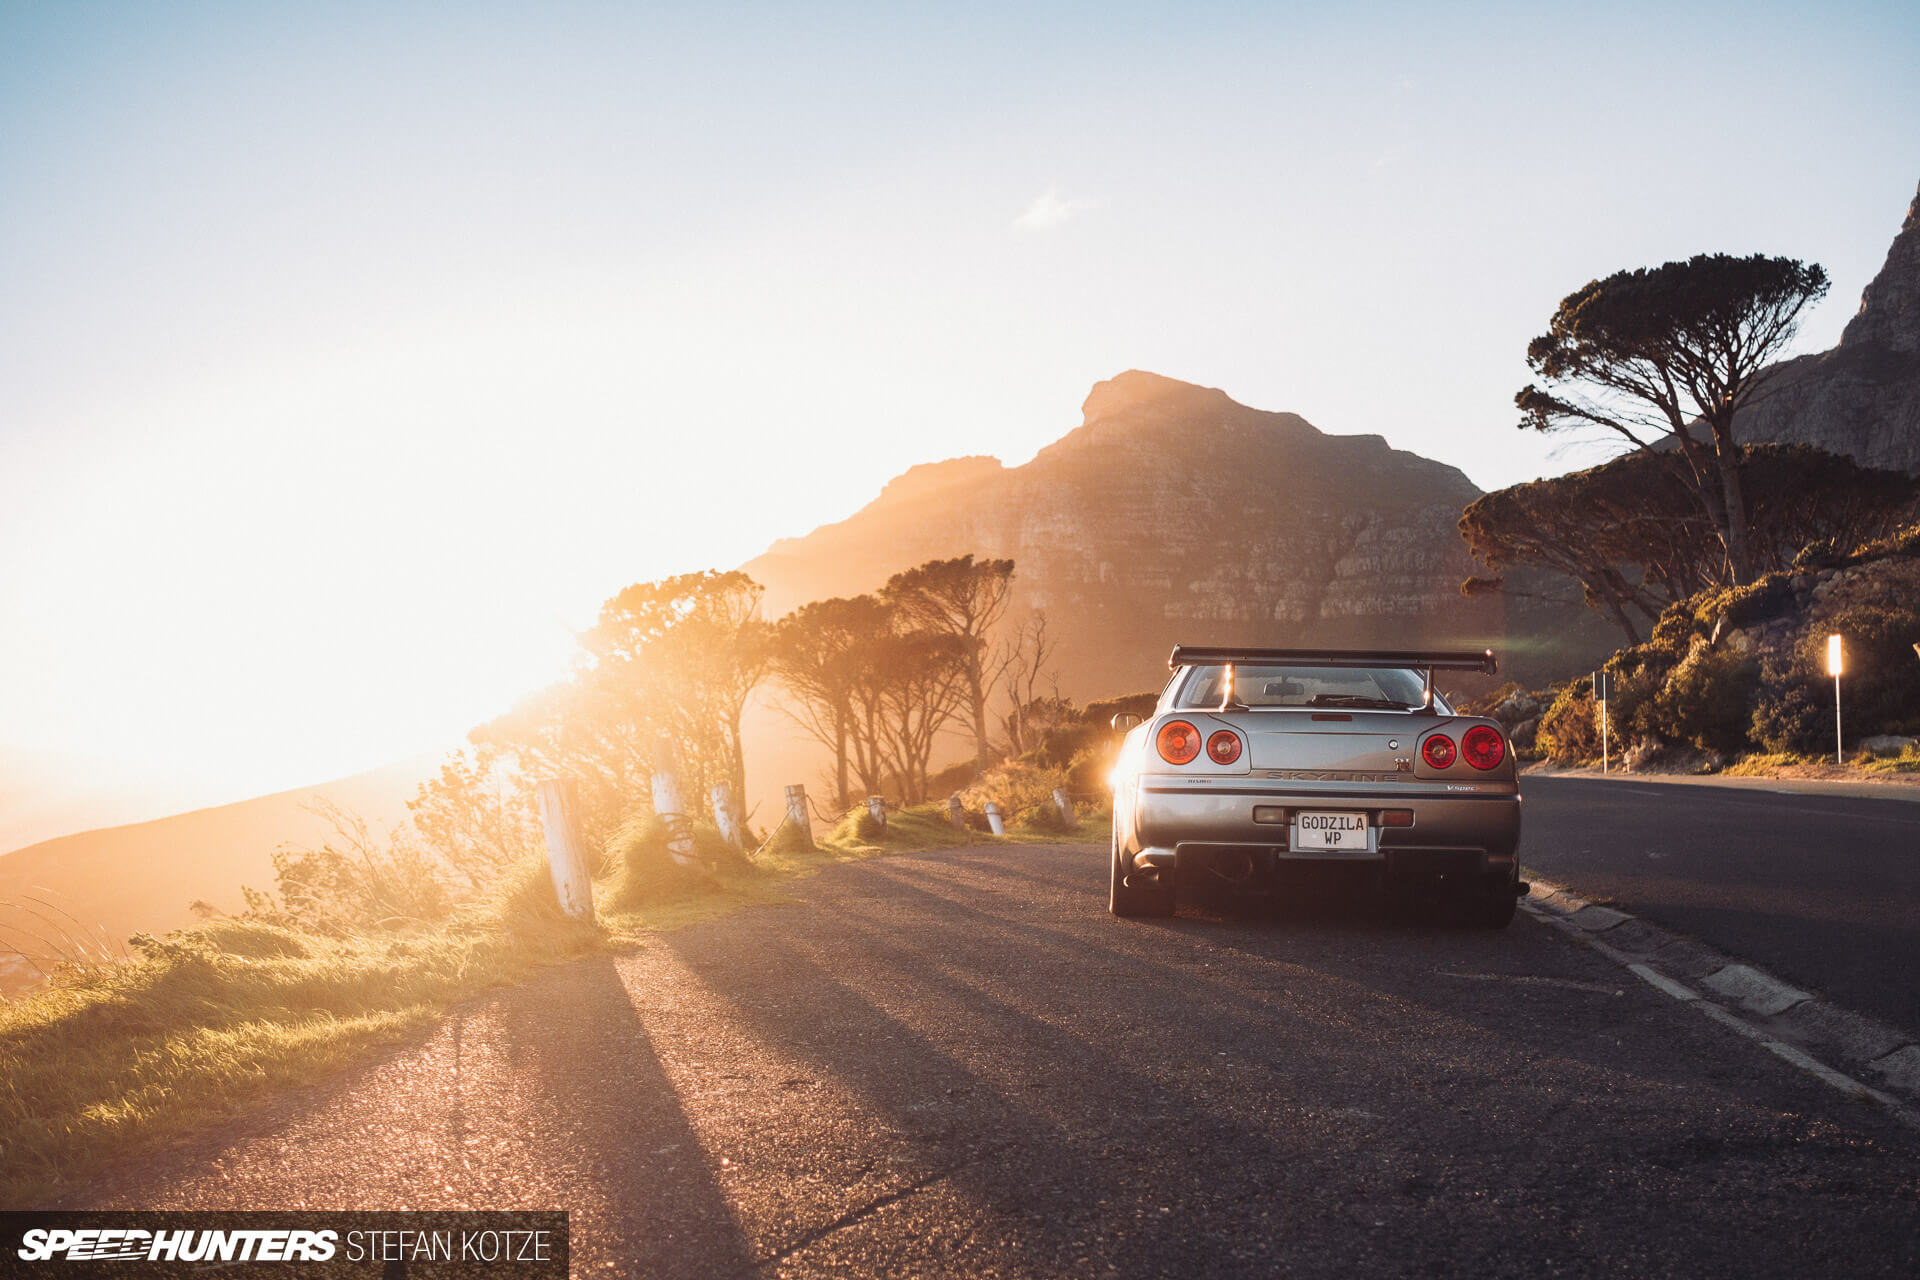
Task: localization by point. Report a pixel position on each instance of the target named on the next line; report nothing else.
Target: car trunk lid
(1358, 741)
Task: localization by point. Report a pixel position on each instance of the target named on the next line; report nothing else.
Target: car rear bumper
(1450, 833)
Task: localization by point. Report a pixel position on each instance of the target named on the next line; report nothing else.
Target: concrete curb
(1881, 1063)
(1892, 787)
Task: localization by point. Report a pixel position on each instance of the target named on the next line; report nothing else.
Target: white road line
(1686, 995)
(1838, 1080)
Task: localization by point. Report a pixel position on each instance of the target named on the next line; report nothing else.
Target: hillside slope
(141, 877)
(1174, 513)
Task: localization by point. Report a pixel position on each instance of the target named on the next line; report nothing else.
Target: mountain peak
(1889, 313)
(923, 480)
(1861, 398)
(1136, 389)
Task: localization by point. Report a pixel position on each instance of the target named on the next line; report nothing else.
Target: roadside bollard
(1065, 805)
(877, 806)
(669, 804)
(956, 812)
(797, 815)
(994, 823)
(726, 816)
(566, 851)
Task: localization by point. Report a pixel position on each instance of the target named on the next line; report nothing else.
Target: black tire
(1139, 899)
(1493, 904)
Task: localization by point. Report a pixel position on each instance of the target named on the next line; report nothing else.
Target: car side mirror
(1125, 720)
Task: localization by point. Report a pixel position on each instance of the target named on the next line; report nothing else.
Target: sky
(351, 355)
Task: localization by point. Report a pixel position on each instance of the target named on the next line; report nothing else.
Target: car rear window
(1303, 686)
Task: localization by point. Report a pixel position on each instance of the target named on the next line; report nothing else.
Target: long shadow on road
(643, 1190)
(1087, 1094)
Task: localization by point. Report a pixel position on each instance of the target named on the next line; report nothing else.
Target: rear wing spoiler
(1186, 655)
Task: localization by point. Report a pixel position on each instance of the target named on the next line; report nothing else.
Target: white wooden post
(998, 827)
(726, 816)
(956, 812)
(669, 804)
(1064, 804)
(797, 813)
(566, 851)
(877, 806)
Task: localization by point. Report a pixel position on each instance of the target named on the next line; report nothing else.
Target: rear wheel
(1141, 897)
(1491, 904)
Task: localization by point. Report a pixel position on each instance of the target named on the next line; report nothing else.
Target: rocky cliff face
(1175, 514)
(1863, 397)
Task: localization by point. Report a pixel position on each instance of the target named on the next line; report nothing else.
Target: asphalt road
(956, 1064)
(1823, 890)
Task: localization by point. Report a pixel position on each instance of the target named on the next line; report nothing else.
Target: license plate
(1342, 832)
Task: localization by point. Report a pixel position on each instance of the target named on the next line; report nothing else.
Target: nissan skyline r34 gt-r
(1256, 760)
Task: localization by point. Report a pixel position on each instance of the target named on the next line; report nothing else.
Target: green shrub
(1788, 719)
(1707, 700)
(921, 826)
(1904, 541)
(1568, 732)
(528, 904)
(254, 939)
(1044, 818)
(1015, 787)
(1821, 554)
(352, 882)
(1881, 684)
(786, 839)
(866, 825)
(645, 873)
(1760, 600)
(1674, 630)
(1634, 677)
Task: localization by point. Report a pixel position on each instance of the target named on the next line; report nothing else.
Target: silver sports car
(1258, 759)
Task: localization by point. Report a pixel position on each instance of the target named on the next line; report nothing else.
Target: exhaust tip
(1521, 889)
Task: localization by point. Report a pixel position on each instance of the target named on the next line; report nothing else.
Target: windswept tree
(1632, 535)
(585, 728)
(922, 679)
(1023, 669)
(962, 598)
(693, 646)
(1666, 358)
(872, 685)
(821, 653)
(676, 658)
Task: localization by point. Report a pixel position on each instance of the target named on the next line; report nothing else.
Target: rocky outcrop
(1862, 398)
(1174, 513)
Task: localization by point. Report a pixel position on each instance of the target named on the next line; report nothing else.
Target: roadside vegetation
(365, 939)
(1735, 679)
(1725, 564)
(112, 1060)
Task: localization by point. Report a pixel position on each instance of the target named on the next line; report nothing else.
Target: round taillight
(1179, 742)
(1437, 751)
(1223, 747)
(1483, 747)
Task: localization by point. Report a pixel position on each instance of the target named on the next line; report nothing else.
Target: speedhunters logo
(109, 1244)
(316, 1244)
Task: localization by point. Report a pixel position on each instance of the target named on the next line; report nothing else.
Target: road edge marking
(1559, 906)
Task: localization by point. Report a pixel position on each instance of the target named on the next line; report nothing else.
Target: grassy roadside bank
(1901, 770)
(116, 1060)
